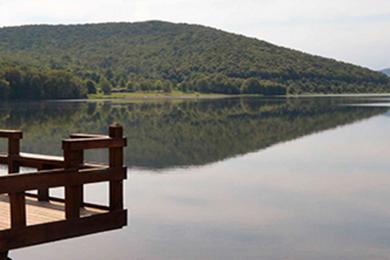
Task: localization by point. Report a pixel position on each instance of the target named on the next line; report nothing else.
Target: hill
(161, 56)
(386, 71)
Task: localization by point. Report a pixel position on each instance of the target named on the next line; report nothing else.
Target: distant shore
(159, 95)
(183, 95)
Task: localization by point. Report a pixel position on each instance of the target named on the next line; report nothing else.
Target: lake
(254, 178)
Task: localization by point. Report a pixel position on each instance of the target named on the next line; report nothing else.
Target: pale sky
(356, 31)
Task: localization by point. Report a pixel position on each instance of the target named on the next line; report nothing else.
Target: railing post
(43, 194)
(116, 161)
(17, 200)
(4, 256)
(73, 193)
(14, 152)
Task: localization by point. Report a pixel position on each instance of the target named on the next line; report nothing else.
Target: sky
(355, 31)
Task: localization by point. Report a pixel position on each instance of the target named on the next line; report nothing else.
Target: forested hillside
(161, 56)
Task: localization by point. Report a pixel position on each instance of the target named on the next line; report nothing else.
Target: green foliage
(105, 86)
(91, 87)
(4, 89)
(159, 56)
(214, 83)
(26, 83)
(132, 86)
(251, 86)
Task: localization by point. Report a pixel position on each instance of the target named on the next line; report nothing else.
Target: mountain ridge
(156, 55)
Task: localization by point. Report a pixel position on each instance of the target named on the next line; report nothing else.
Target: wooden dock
(28, 218)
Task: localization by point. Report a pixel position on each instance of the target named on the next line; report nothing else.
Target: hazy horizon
(353, 31)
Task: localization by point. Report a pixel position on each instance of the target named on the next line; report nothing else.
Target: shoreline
(139, 96)
(181, 95)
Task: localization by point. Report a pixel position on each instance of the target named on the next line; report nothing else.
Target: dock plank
(40, 212)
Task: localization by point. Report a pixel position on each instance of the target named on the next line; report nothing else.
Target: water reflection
(182, 133)
(312, 194)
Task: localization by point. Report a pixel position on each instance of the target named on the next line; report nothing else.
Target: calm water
(255, 178)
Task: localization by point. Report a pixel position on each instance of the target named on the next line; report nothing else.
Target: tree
(131, 86)
(105, 86)
(167, 87)
(31, 83)
(272, 88)
(91, 88)
(251, 86)
(4, 89)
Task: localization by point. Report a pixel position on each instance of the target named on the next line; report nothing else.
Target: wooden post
(13, 153)
(17, 200)
(73, 193)
(4, 256)
(43, 194)
(116, 161)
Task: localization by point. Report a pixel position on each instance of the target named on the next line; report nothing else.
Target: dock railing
(70, 172)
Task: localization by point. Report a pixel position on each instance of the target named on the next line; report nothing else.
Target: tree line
(28, 83)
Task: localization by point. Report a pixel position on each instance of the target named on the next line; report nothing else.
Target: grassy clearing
(157, 95)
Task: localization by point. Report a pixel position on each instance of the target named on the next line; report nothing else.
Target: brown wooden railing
(71, 172)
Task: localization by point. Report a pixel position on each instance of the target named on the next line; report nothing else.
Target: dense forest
(161, 56)
(181, 133)
(31, 83)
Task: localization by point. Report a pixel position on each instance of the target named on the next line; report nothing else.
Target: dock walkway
(28, 218)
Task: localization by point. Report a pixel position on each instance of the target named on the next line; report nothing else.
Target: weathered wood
(92, 143)
(4, 256)
(73, 193)
(81, 135)
(17, 199)
(70, 172)
(116, 160)
(42, 212)
(62, 200)
(43, 193)
(58, 178)
(37, 160)
(18, 210)
(37, 234)
(15, 134)
(13, 154)
(3, 158)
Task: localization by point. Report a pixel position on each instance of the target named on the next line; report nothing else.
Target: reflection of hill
(184, 133)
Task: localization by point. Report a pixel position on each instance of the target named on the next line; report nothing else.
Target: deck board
(39, 212)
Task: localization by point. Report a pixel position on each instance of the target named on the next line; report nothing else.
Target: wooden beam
(58, 178)
(3, 159)
(81, 135)
(15, 134)
(92, 143)
(38, 160)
